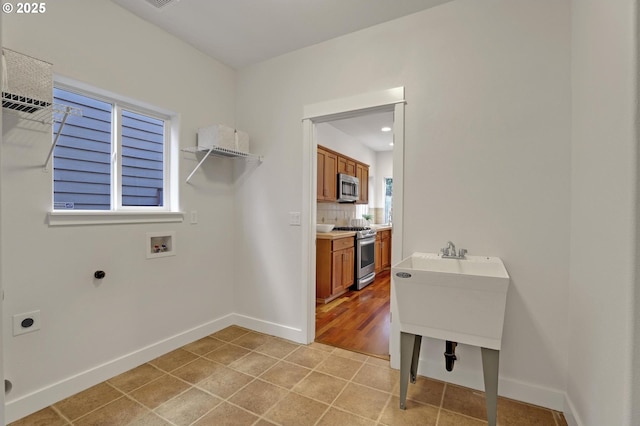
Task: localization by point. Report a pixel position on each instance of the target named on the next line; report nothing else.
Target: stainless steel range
(365, 254)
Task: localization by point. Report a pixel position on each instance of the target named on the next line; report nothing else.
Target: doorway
(387, 100)
(355, 315)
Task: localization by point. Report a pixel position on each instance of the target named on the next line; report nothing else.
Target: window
(114, 157)
(388, 199)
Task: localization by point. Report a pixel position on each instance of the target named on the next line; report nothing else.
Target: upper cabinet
(346, 166)
(327, 174)
(362, 173)
(330, 163)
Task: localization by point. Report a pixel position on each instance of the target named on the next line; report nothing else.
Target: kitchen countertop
(382, 227)
(334, 235)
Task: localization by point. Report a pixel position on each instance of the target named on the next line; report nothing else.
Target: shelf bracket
(200, 163)
(217, 151)
(67, 110)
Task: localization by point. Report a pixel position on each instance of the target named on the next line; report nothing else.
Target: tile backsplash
(340, 214)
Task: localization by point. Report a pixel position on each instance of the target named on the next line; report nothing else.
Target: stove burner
(351, 228)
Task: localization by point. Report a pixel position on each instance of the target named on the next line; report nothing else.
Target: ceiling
(366, 129)
(244, 32)
(240, 33)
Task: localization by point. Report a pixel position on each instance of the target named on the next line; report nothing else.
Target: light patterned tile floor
(240, 377)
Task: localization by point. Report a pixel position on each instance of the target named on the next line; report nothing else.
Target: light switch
(294, 218)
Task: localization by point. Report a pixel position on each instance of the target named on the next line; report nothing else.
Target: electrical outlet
(194, 217)
(26, 322)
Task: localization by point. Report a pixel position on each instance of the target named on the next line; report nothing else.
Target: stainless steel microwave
(348, 188)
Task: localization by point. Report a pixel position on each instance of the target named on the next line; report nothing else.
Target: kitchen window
(114, 158)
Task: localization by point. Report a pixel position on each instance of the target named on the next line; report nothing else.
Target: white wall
(487, 165)
(384, 164)
(603, 211)
(143, 307)
(2, 396)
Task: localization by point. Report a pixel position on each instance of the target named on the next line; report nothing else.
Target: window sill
(74, 218)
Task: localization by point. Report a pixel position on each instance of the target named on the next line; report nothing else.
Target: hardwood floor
(358, 320)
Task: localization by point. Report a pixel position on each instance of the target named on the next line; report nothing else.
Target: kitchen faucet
(449, 252)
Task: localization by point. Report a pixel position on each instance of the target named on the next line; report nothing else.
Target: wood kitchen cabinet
(346, 166)
(362, 173)
(335, 262)
(383, 250)
(330, 163)
(327, 174)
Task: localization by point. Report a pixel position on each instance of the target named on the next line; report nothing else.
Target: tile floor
(239, 377)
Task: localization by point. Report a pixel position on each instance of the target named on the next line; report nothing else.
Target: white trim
(397, 232)
(86, 217)
(274, 329)
(116, 157)
(308, 231)
(76, 86)
(48, 395)
(171, 120)
(389, 100)
(322, 111)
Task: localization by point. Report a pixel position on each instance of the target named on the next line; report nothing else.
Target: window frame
(119, 213)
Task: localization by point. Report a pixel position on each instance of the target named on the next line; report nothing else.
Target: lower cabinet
(335, 261)
(383, 250)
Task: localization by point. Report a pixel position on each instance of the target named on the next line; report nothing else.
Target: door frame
(384, 100)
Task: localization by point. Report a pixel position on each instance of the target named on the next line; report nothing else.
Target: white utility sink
(461, 300)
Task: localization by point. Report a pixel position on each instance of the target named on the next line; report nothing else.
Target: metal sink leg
(490, 364)
(409, 356)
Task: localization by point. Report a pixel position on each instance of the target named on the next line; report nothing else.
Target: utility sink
(461, 300)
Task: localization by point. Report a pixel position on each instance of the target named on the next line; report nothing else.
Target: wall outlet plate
(26, 322)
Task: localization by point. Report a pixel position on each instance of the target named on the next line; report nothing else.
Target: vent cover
(29, 82)
(159, 4)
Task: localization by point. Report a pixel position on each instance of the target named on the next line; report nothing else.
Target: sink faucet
(449, 252)
(451, 248)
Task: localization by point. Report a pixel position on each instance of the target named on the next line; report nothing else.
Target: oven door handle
(366, 241)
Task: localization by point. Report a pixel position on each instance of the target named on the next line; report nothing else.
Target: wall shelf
(44, 115)
(217, 151)
(53, 113)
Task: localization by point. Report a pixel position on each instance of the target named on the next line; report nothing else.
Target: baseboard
(509, 388)
(44, 397)
(271, 328)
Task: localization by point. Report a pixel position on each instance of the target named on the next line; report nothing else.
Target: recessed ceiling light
(391, 144)
(386, 129)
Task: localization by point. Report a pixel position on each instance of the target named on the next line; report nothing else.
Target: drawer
(342, 243)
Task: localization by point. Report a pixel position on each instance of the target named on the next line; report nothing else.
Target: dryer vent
(27, 83)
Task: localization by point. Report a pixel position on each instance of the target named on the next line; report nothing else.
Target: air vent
(159, 4)
(29, 83)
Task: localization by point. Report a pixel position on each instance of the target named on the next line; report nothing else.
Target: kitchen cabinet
(383, 250)
(362, 173)
(346, 166)
(330, 163)
(335, 262)
(327, 174)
